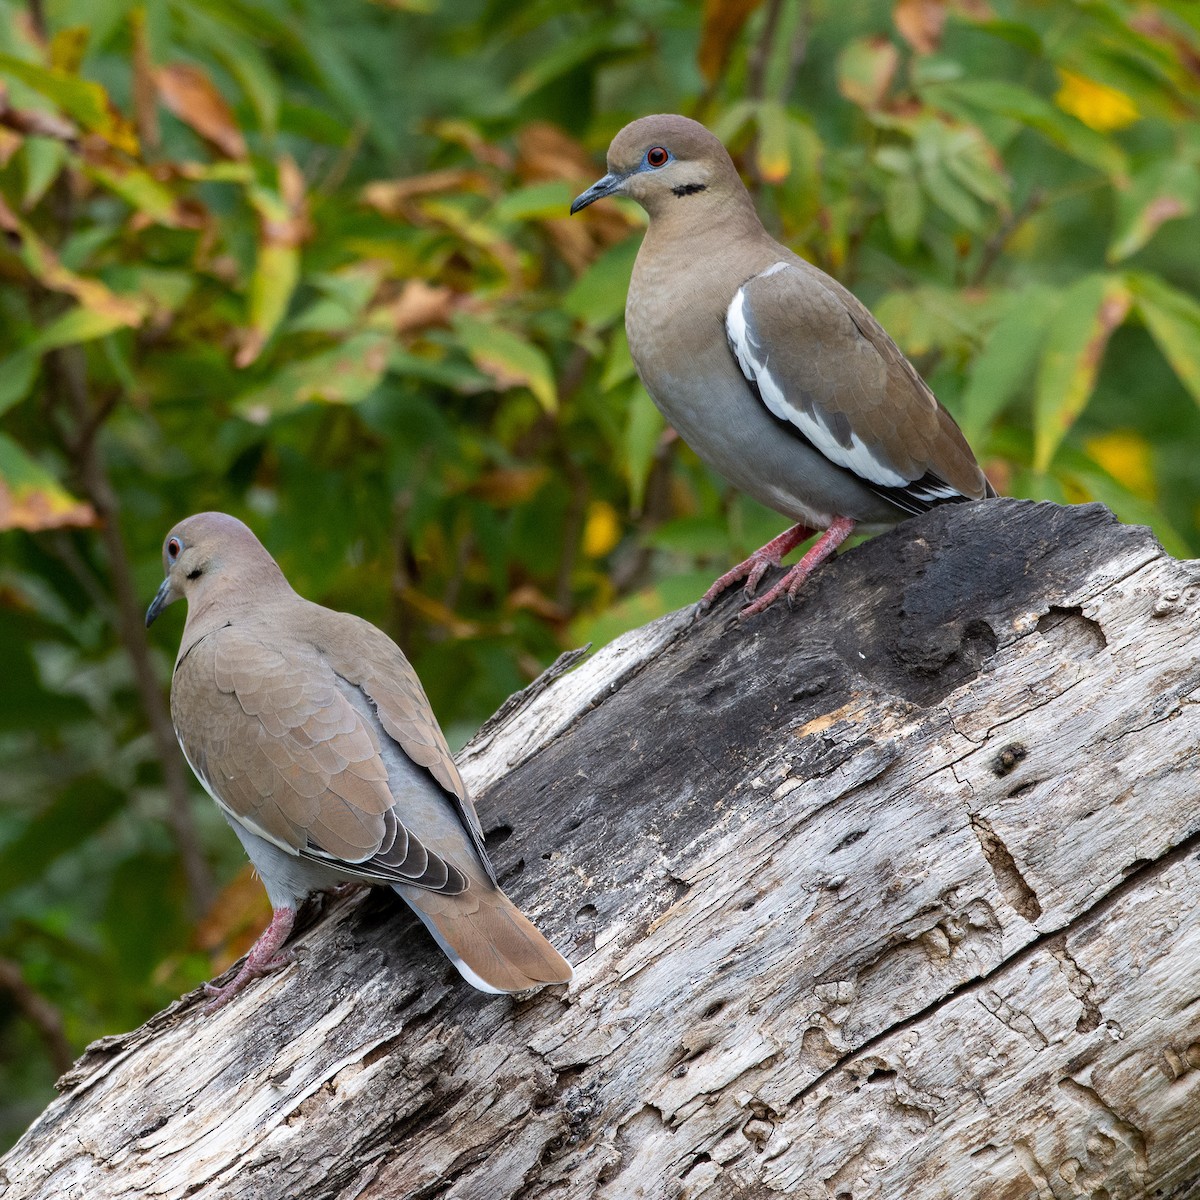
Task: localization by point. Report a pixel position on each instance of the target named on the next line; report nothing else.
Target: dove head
(669, 165)
(213, 554)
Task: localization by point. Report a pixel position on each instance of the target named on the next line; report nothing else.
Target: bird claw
(266, 956)
(221, 995)
(756, 566)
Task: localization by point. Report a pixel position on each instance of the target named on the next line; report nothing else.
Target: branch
(891, 895)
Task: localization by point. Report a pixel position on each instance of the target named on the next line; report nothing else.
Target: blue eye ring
(658, 156)
(173, 548)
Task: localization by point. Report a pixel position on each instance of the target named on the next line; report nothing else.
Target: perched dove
(311, 731)
(775, 374)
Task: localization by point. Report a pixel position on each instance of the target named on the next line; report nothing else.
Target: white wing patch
(754, 360)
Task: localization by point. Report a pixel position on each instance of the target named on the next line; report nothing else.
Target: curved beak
(607, 186)
(162, 598)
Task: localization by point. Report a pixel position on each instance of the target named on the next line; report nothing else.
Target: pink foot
(839, 530)
(264, 958)
(755, 567)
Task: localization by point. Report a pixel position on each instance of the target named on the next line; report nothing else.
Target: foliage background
(308, 261)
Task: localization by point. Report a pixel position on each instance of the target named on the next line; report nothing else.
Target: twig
(760, 56)
(799, 52)
(40, 1013)
(994, 246)
(68, 369)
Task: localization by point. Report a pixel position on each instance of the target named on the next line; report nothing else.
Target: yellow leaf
(1127, 457)
(601, 530)
(31, 498)
(1097, 105)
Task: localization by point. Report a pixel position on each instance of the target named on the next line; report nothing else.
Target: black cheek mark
(195, 574)
(688, 189)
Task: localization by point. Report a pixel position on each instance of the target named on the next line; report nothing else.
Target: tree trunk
(892, 895)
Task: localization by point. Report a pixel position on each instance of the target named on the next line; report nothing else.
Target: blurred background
(308, 261)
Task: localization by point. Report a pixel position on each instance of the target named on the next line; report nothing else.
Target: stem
(760, 56)
(67, 367)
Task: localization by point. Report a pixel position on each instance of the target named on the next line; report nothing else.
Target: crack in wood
(1049, 940)
(1012, 884)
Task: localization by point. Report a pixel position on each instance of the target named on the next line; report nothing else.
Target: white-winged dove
(312, 732)
(775, 374)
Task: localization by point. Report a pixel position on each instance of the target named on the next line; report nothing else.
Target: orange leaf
(723, 21)
(421, 305)
(392, 197)
(545, 152)
(920, 23)
(237, 916)
(189, 93)
(505, 487)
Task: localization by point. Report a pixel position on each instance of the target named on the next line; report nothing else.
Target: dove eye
(173, 548)
(657, 156)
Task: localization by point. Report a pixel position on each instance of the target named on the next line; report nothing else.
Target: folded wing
(827, 371)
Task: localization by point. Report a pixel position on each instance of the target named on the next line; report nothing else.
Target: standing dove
(775, 374)
(311, 731)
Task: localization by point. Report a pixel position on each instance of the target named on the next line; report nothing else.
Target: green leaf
(643, 428)
(76, 325)
(773, 151)
(904, 209)
(276, 273)
(940, 186)
(20, 370)
(597, 297)
(1173, 318)
(539, 200)
(74, 816)
(139, 189)
(344, 375)
(507, 358)
(1005, 365)
(83, 101)
(1166, 191)
(572, 52)
(1078, 333)
(43, 158)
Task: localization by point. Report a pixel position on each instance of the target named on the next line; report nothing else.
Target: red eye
(173, 549)
(657, 156)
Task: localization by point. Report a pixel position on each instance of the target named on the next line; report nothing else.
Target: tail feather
(492, 943)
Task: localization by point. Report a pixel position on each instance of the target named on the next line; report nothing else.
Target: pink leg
(755, 567)
(839, 530)
(264, 957)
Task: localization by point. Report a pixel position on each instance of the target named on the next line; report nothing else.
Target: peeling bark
(893, 895)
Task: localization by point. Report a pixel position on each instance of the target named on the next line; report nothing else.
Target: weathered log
(892, 895)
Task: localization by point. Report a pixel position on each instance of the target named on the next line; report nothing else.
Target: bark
(892, 895)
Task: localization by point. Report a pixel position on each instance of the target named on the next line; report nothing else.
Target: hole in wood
(1073, 634)
(849, 840)
(497, 837)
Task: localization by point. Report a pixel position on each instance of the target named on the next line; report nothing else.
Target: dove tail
(492, 943)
